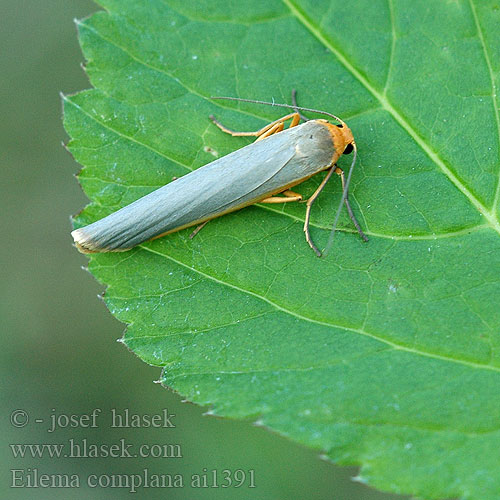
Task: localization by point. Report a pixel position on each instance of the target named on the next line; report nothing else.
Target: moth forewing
(246, 176)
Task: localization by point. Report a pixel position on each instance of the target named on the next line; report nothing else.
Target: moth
(261, 172)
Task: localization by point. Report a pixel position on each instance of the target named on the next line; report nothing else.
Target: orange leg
(277, 127)
(316, 193)
(309, 203)
(258, 133)
(289, 196)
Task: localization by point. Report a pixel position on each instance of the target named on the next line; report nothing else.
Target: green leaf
(385, 354)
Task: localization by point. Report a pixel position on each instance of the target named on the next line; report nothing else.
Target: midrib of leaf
(395, 346)
(490, 216)
(449, 234)
(393, 46)
(493, 89)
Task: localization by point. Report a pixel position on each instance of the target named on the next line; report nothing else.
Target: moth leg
(277, 127)
(288, 196)
(295, 119)
(198, 229)
(294, 106)
(340, 172)
(294, 116)
(290, 193)
(309, 203)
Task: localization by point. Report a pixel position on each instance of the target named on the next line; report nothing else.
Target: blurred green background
(59, 350)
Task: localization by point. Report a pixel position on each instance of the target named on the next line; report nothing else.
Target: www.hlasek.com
(83, 448)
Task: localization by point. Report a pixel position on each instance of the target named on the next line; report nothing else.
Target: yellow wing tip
(82, 241)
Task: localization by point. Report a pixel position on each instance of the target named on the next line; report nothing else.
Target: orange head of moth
(343, 140)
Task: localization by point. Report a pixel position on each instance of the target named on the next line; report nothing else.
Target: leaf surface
(384, 354)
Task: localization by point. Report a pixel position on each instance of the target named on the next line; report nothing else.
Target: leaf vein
(393, 46)
(386, 104)
(493, 89)
(399, 347)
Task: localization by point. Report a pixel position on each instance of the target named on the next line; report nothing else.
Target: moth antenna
(345, 191)
(329, 243)
(290, 106)
(295, 107)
